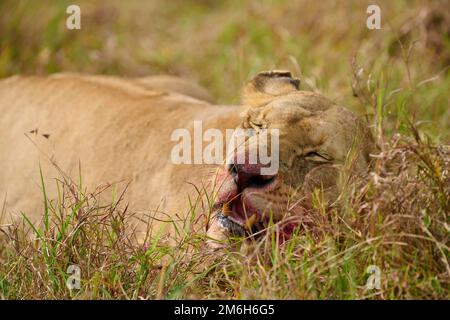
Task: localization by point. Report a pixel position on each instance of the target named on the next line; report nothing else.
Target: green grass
(376, 222)
(395, 218)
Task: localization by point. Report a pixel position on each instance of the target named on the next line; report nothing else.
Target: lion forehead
(308, 120)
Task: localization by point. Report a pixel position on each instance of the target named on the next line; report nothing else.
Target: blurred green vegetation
(220, 44)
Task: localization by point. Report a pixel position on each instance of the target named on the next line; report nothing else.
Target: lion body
(117, 131)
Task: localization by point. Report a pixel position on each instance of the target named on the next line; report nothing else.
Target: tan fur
(119, 131)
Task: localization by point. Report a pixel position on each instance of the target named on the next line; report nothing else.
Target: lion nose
(249, 176)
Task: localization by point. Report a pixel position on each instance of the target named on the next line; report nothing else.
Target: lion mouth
(240, 220)
(236, 218)
(236, 229)
(232, 227)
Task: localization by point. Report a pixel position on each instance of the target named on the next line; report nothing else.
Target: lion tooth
(226, 210)
(251, 221)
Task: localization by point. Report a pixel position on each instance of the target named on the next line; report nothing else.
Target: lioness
(119, 131)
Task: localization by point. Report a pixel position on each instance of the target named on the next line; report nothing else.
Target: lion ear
(267, 85)
(275, 74)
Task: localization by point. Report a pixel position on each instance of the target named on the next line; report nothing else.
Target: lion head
(316, 139)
